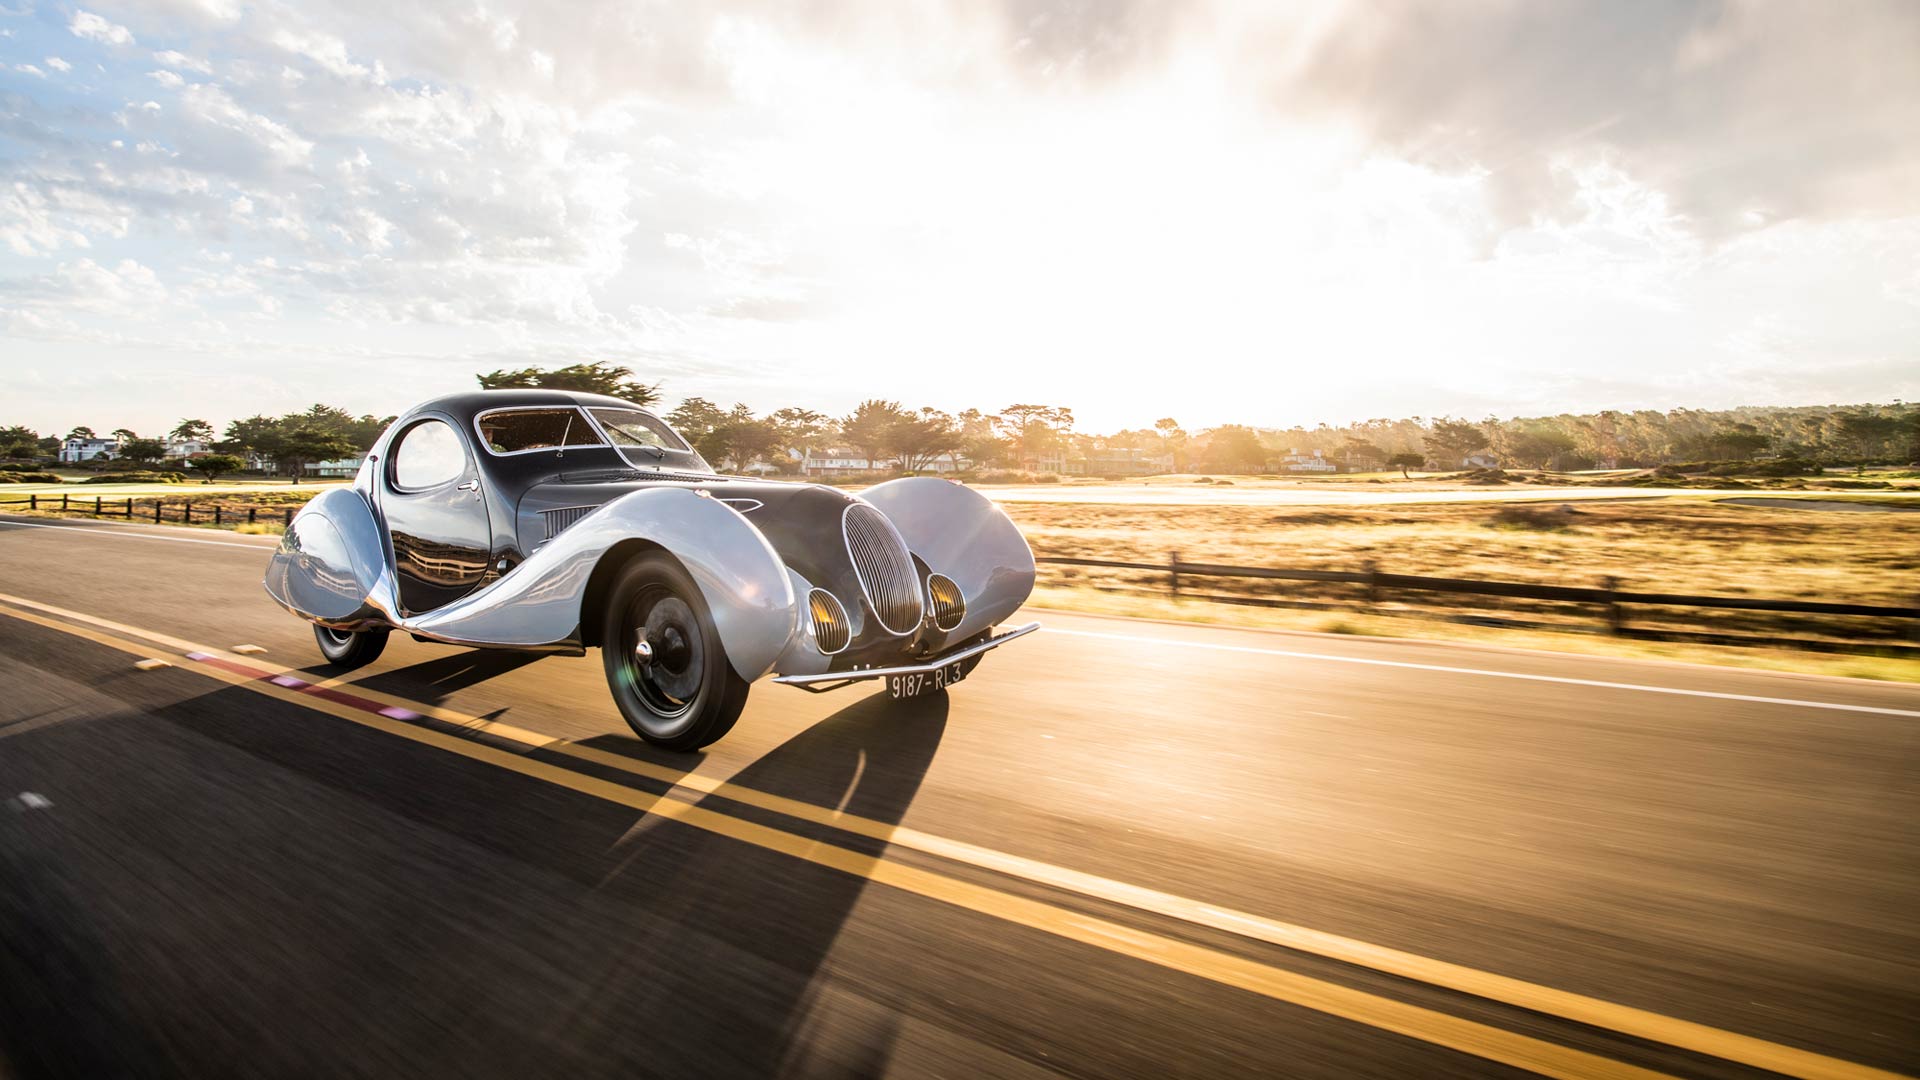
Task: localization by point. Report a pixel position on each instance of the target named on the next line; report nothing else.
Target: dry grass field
(1691, 546)
(1664, 543)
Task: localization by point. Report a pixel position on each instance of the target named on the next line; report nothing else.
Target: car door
(436, 515)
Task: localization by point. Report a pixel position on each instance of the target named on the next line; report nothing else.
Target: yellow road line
(1626, 1020)
(1427, 1025)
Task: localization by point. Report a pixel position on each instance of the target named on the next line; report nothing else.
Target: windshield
(642, 439)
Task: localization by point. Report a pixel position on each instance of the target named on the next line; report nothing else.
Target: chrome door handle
(471, 485)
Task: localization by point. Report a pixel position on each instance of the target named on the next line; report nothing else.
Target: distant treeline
(1035, 436)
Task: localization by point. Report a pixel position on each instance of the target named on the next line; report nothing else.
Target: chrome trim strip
(491, 452)
(862, 674)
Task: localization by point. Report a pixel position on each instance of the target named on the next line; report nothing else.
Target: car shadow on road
(620, 941)
(433, 681)
(763, 923)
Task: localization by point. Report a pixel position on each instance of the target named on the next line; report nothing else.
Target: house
(257, 462)
(840, 461)
(74, 451)
(1118, 462)
(1480, 459)
(182, 449)
(1316, 462)
(339, 467)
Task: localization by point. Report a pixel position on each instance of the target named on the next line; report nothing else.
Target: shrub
(1534, 518)
(135, 478)
(36, 478)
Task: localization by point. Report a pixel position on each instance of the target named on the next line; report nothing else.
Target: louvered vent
(945, 605)
(886, 572)
(831, 631)
(557, 520)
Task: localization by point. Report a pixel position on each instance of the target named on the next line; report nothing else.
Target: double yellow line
(393, 715)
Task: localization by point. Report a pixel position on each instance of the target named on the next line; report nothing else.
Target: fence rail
(182, 511)
(1608, 595)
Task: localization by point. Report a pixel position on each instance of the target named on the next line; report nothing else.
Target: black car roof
(466, 405)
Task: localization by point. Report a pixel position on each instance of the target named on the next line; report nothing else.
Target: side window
(514, 430)
(429, 455)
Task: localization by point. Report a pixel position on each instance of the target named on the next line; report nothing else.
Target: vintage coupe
(554, 521)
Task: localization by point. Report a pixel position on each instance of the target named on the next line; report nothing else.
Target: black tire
(687, 695)
(349, 648)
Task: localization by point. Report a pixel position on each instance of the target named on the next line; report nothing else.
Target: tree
(304, 444)
(917, 440)
(1538, 444)
(196, 430)
(800, 430)
(1406, 461)
(694, 417)
(1033, 430)
(1360, 450)
(1234, 448)
(144, 451)
(261, 434)
(81, 432)
(19, 442)
(597, 377)
(1175, 440)
(213, 465)
(1866, 434)
(870, 428)
(740, 438)
(1456, 439)
(124, 434)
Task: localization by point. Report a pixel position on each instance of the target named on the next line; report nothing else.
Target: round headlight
(945, 606)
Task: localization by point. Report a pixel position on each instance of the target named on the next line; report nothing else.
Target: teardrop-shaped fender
(331, 565)
(963, 534)
(542, 600)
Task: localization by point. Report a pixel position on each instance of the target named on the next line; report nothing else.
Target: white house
(1480, 460)
(1316, 462)
(74, 451)
(841, 462)
(182, 449)
(336, 467)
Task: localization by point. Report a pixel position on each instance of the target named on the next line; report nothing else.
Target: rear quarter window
(515, 431)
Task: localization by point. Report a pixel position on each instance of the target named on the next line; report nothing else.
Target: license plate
(906, 686)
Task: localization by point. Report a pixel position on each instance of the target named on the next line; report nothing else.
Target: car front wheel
(665, 665)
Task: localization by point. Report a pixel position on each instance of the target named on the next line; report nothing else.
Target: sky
(1269, 214)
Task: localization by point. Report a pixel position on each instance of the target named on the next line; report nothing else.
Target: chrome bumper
(834, 680)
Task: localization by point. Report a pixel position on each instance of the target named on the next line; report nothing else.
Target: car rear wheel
(665, 664)
(349, 648)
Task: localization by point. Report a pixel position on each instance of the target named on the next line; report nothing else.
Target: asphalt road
(1120, 849)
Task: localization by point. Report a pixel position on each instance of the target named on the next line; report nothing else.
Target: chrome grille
(885, 568)
(945, 606)
(831, 630)
(557, 520)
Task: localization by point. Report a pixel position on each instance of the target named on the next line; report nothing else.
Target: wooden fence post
(186, 512)
(129, 508)
(1616, 615)
(1373, 581)
(33, 502)
(251, 510)
(63, 502)
(96, 506)
(216, 513)
(1173, 574)
(158, 505)
(288, 515)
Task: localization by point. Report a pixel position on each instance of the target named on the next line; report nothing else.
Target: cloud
(1745, 112)
(86, 24)
(58, 64)
(29, 69)
(167, 79)
(176, 59)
